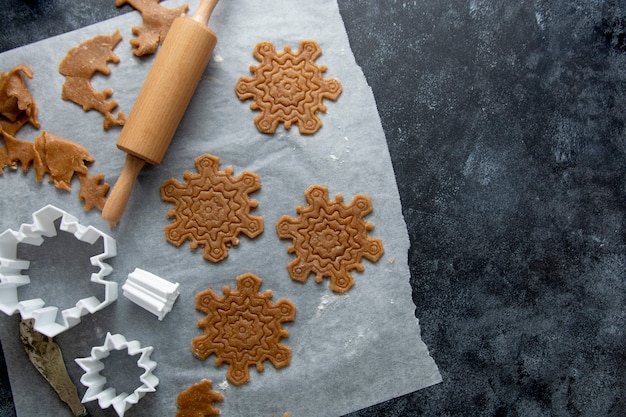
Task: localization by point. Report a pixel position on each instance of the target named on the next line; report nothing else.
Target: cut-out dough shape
(212, 208)
(17, 105)
(93, 191)
(288, 87)
(15, 151)
(96, 383)
(58, 158)
(330, 238)
(11, 268)
(243, 328)
(79, 66)
(198, 400)
(47, 358)
(156, 23)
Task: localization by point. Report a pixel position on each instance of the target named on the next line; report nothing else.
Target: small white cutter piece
(96, 384)
(151, 292)
(45, 317)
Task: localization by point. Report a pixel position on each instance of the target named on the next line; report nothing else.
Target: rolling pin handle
(204, 11)
(161, 102)
(117, 200)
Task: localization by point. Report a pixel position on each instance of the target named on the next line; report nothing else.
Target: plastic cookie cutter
(45, 317)
(96, 383)
(151, 292)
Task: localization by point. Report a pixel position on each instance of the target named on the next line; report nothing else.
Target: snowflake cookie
(288, 87)
(157, 21)
(212, 208)
(243, 328)
(330, 238)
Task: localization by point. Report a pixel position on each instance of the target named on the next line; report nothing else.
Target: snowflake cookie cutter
(45, 317)
(153, 293)
(96, 383)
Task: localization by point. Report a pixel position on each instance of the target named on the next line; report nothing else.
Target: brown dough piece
(288, 87)
(14, 151)
(17, 105)
(330, 238)
(79, 66)
(212, 208)
(4, 158)
(243, 328)
(198, 400)
(156, 23)
(60, 158)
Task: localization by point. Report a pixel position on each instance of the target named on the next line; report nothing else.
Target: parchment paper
(348, 351)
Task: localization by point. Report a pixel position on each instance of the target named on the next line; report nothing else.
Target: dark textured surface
(506, 126)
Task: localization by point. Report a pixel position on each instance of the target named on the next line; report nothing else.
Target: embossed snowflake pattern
(288, 87)
(243, 328)
(330, 238)
(211, 208)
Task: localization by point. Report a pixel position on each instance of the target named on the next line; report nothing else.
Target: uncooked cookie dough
(288, 87)
(79, 66)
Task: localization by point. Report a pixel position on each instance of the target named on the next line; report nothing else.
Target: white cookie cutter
(95, 382)
(151, 292)
(11, 267)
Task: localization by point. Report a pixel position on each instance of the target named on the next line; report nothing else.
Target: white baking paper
(349, 351)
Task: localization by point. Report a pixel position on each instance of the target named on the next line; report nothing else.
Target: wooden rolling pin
(162, 101)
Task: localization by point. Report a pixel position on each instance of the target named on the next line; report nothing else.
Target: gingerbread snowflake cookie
(212, 208)
(288, 87)
(243, 328)
(330, 238)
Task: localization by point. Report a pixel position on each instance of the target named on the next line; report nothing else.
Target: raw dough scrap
(79, 66)
(17, 105)
(288, 87)
(243, 328)
(198, 400)
(330, 238)
(14, 151)
(212, 208)
(156, 23)
(60, 158)
(93, 191)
